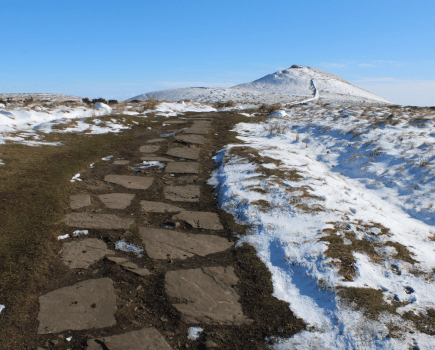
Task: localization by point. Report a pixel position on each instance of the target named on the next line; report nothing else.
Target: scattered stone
(194, 139)
(149, 149)
(154, 158)
(158, 207)
(54, 342)
(101, 221)
(134, 182)
(182, 168)
(140, 271)
(116, 200)
(156, 140)
(168, 333)
(200, 219)
(210, 344)
(163, 244)
(129, 265)
(144, 339)
(82, 254)
(80, 200)
(188, 193)
(116, 259)
(188, 179)
(206, 295)
(85, 305)
(184, 152)
(121, 162)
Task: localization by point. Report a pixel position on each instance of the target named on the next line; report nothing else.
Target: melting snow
(194, 333)
(128, 247)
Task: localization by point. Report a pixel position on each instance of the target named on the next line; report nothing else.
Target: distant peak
(297, 66)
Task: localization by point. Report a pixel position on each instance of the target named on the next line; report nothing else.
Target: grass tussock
(230, 104)
(269, 109)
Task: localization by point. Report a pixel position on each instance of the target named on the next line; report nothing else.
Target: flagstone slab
(153, 157)
(117, 260)
(188, 179)
(198, 131)
(184, 152)
(194, 139)
(163, 244)
(116, 200)
(159, 207)
(149, 148)
(200, 219)
(188, 193)
(80, 200)
(97, 221)
(206, 295)
(84, 305)
(121, 162)
(182, 168)
(144, 339)
(82, 254)
(128, 181)
(155, 140)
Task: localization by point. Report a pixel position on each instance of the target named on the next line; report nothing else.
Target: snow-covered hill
(295, 84)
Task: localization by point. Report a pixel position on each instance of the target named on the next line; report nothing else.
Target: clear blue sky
(115, 49)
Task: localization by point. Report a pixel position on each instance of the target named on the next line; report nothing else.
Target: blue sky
(115, 49)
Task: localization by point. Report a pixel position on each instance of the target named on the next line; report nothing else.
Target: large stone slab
(116, 200)
(98, 221)
(163, 244)
(85, 305)
(182, 168)
(80, 200)
(206, 295)
(82, 254)
(194, 139)
(121, 162)
(200, 219)
(184, 152)
(188, 193)
(153, 157)
(144, 339)
(128, 181)
(159, 207)
(149, 148)
(197, 130)
(155, 140)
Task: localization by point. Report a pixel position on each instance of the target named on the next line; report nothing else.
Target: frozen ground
(340, 205)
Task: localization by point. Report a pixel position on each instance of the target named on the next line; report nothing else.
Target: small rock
(163, 319)
(129, 265)
(116, 259)
(210, 344)
(61, 336)
(54, 342)
(168, 333)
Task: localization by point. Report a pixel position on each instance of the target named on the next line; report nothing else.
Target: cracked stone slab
(128, 181)
(188, 193)
(163, 244)
(82, 254)
(116, 200)
(80, 200)
(200, 219)
(194, 139)
(182, 168)
(84, 305)
(206, 295)
(153, 157)
(144, 339)
(159, 207)
(98, 221)
(121, 162)
(184, 152)
(149, 148)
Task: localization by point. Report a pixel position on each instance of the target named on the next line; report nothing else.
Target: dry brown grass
(269, 109)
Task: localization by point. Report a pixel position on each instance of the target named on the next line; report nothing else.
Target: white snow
(76, 177)
(106, 159)
(63, 236)
(128, 247)
(148, 165)
(2, 307)
(80, 232)
(194, 333)
(360, 169)
(1, 162)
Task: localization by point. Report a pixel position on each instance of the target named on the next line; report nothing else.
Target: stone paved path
(201, 296)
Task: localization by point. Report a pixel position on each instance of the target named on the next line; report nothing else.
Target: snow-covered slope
(286, 86)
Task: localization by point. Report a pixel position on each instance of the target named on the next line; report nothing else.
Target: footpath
(182, 290)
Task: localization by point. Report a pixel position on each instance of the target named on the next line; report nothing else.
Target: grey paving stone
(188, 179)
(182, 168)
(128, 181)
(159, 207)
(80, 200)
(197, 130)
(85, 305)
(121, 162)
(188, 193)
(116, 200)
(163, 244)
(152, 157)
(82, 254)
(200, 219)
(194, 139)
(155, 140)
(149, 149)
(184, 152)
(206, 295)
(98, 221)
(144, 339)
